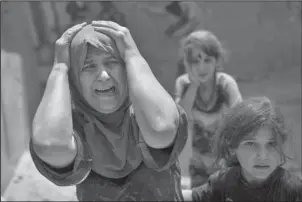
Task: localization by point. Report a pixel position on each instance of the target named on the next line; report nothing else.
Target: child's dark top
(229, 185)
(157, 178)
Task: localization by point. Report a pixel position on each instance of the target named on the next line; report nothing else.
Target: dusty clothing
(201, 166)
(113, 162)
(230, 185)
(157, 177)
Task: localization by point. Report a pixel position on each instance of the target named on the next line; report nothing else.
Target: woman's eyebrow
(110, 57)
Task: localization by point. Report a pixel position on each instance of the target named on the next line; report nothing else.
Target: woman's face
(103, 80)
(200, 65)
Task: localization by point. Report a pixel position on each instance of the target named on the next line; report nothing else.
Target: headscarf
(112, 138)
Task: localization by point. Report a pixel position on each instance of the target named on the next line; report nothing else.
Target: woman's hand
(63, 43)
(121, 35)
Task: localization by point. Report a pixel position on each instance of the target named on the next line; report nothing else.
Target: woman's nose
(103, 75)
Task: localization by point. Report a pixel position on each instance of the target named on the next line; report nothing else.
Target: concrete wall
(20, 91)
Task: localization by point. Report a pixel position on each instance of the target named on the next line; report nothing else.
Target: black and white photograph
(151, 100)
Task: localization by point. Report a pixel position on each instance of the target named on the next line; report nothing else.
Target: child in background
(205, 93)
(250, 141)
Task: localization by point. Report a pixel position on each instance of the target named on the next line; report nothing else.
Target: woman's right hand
(62, 44)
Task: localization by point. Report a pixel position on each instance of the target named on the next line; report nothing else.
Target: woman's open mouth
(108, 91)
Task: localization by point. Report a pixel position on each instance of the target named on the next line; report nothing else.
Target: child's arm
(180, 84)
(210, 191)
(201, 193)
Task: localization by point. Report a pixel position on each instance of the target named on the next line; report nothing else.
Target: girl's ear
(219, 65)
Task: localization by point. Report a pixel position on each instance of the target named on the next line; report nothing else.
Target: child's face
(257, 155)
(200, 65)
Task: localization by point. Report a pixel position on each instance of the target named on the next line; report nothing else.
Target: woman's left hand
(121, 35)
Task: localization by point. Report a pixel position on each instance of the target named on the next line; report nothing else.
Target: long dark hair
(247, 118)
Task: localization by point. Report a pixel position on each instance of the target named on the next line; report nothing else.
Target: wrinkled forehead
(86, 38)
(93, 53)
(79, 48)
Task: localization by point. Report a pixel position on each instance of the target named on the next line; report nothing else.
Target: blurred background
(263, 40)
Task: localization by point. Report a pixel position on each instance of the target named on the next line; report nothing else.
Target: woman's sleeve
(161, 159)
(73, 174)
(230, 89)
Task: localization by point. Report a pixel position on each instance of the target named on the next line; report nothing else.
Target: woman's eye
(89, 67)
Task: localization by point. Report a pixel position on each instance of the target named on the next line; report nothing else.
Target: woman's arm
(52, 138)
(52, 126)
(155, 110)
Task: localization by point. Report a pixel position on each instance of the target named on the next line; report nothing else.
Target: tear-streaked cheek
(86, 83)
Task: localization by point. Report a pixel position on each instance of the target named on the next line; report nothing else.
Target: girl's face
(200, 65)
(103, 81)
(258, 156)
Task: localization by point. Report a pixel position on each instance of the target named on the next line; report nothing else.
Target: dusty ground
(283, 87)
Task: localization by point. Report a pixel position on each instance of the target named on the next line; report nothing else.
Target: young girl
(205, 93)
(250, 141)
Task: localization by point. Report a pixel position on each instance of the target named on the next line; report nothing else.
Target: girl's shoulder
(285, 186)
(291, 181)
(223, 78)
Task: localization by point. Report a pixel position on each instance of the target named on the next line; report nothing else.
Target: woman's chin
(107, 110)
(109, 106)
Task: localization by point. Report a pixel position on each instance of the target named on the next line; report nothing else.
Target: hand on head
(63, 43)
(121, 35)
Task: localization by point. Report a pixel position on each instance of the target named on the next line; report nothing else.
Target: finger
(108, 31)
(71, 32)
(109, 24)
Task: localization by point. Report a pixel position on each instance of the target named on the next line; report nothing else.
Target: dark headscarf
(111, 137)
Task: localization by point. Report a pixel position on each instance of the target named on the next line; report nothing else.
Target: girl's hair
(201, 40)
(244, 119)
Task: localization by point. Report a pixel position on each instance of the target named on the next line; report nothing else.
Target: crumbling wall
(20, 91)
